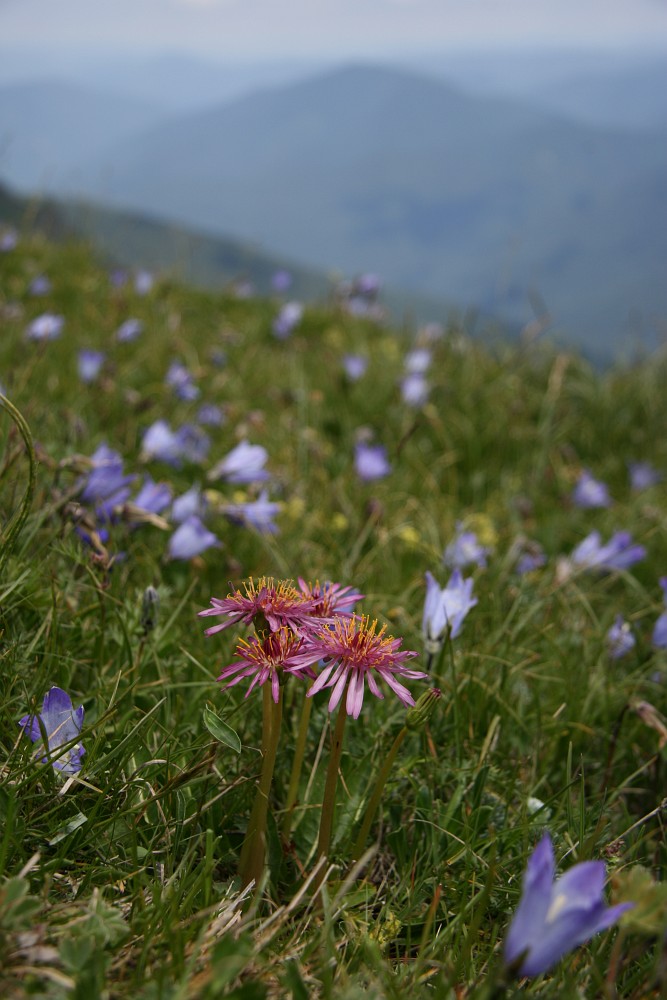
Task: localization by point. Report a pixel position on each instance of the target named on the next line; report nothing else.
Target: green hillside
(307, 832)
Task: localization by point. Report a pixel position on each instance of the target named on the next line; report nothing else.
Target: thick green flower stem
(297, 764)
(251, 864)
(329, 801)
(376, 797)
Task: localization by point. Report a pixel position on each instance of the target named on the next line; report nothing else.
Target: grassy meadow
(121, 879)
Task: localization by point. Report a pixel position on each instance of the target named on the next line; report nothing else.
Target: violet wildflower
(278, 605)
(210, 415)
(370, 461)
(61, 724)
(618, 554)
(643, 475)
(193, 443)
(153, 497)
(257, 514)
(106, 485)
(418, 361)
(40, 285)
(355, 653)
(287, 319)
(190, 539)
(129, 330)
(9, 239)
(268, 659)
(355, 366)
(143, 282)
(281, 281)
(45, 327)
(191, 502)
(118, 278)
(445, 610)
(659, 636)
(180, 380)
(368, 285)
(554, 917)
(620, 639)
(414, 389)
(160, 442)
(244, 464)
(89, 364)
(531, 558)
(590, 493)
(465, 550)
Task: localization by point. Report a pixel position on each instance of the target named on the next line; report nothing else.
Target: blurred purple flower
(464, 550)
(106, 485)
(257, 514)
(62, 725)
(89, 364)
(659, 636)
(40, 285)
(189, 503)
(190, 539)
(355, 366)
(153, 497)
(45, 327)
(160, 442)
(590, 492)
(619, 553)
(8, 240)
(418, 361)
(129, 330)
(143, 282)
(553, 917)
(210, 415)
(368, 285)
(531, 558)
(643, 475)
(118, 278)
(281, 281)
(445, 609)
(371, 462)
(620, 639)
(414, 389)
(180, 380)
(243, 464)
(287, 319)
(193, 442)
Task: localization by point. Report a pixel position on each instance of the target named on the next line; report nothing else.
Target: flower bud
(150, 606)
(422, 710)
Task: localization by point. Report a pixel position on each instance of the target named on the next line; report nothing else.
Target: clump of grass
(122, 879)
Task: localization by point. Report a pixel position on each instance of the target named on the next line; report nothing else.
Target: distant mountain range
(485, 202)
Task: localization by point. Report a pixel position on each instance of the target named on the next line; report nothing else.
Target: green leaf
(220, 730)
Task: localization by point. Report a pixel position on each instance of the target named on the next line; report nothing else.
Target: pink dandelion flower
(330, 598)
(278, 653)
(279, 604)
(355, 652)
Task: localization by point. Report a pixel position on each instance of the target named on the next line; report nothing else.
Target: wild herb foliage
(121, 878)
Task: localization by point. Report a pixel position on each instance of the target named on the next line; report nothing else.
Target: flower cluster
(298, 627)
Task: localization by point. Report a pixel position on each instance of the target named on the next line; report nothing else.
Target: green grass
(123, 881)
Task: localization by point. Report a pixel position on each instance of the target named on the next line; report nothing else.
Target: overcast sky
(277, 28)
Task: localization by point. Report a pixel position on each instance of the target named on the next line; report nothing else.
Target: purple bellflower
(143, 282)
(532, 557)
(180, 380)
(9, 239)
(191, 502)
(257, 514)
(281, 281)
(371, 462)
(618, 554)
(153, 497)
(89, 364)
(40, 285)
(659, 637)
(210, 415)
(554, 917)
(287, 319)
(464, 550)
(620, 639)
(244, 464)
(190, 539)
(128, 331)
(106, 485)
(355, 366)
(445, 609)
(45, 327)
(414, 389)
(643, 475)
(418, 361)
(590, 492)
(62, 725)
